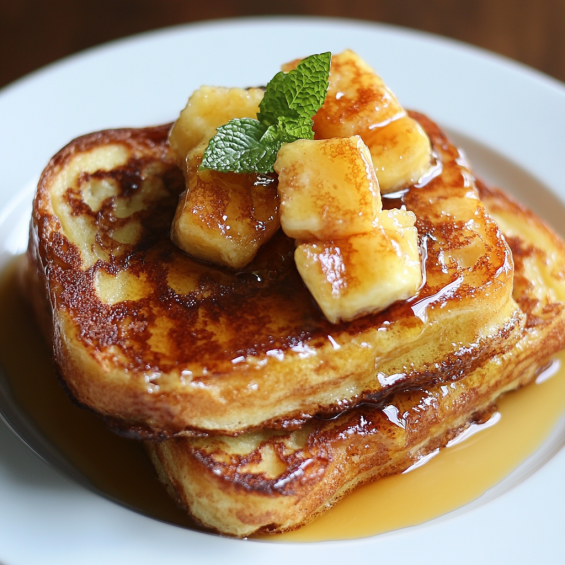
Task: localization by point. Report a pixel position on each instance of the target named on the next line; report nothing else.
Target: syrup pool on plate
(119, 469)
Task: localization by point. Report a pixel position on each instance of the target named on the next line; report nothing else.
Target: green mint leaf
(244, 145)
(297, 128)
(276, 134)
(307, 85)
(285, 114)
(298, 94)
(274, 104)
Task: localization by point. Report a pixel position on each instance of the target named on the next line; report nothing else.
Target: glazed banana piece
(327, 189)
(222, 218)
(207, 109)
(401, 153)
(353, 257)
(359, 103)
(362, 273)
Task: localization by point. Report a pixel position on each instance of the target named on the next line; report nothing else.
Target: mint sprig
(246, 145)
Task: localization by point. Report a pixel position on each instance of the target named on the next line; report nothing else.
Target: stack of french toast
(183, 313)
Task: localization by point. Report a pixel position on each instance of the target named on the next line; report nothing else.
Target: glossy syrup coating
(160, 343)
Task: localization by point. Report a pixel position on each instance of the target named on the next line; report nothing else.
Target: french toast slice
(161, 344)
(273, 481)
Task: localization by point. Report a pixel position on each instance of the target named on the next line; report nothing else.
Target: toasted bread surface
(271, 481)
(161, 344)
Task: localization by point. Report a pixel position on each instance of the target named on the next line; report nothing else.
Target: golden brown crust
(192, 348)
(274, 482)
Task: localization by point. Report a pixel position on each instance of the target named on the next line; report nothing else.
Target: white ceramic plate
(506, 116)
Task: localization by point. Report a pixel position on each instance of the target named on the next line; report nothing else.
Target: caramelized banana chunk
(207, 109)
(401, 153)
(363, 273)
(222, 218)
(328, 189)
(359, 103)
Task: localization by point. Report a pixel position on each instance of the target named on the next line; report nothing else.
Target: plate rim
(212, 25)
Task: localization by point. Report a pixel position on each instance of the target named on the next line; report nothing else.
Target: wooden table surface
(36, 32)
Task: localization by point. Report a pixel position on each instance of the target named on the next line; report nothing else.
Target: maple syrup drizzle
(120, 469)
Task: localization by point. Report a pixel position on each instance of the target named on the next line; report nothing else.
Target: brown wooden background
(36, 32)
